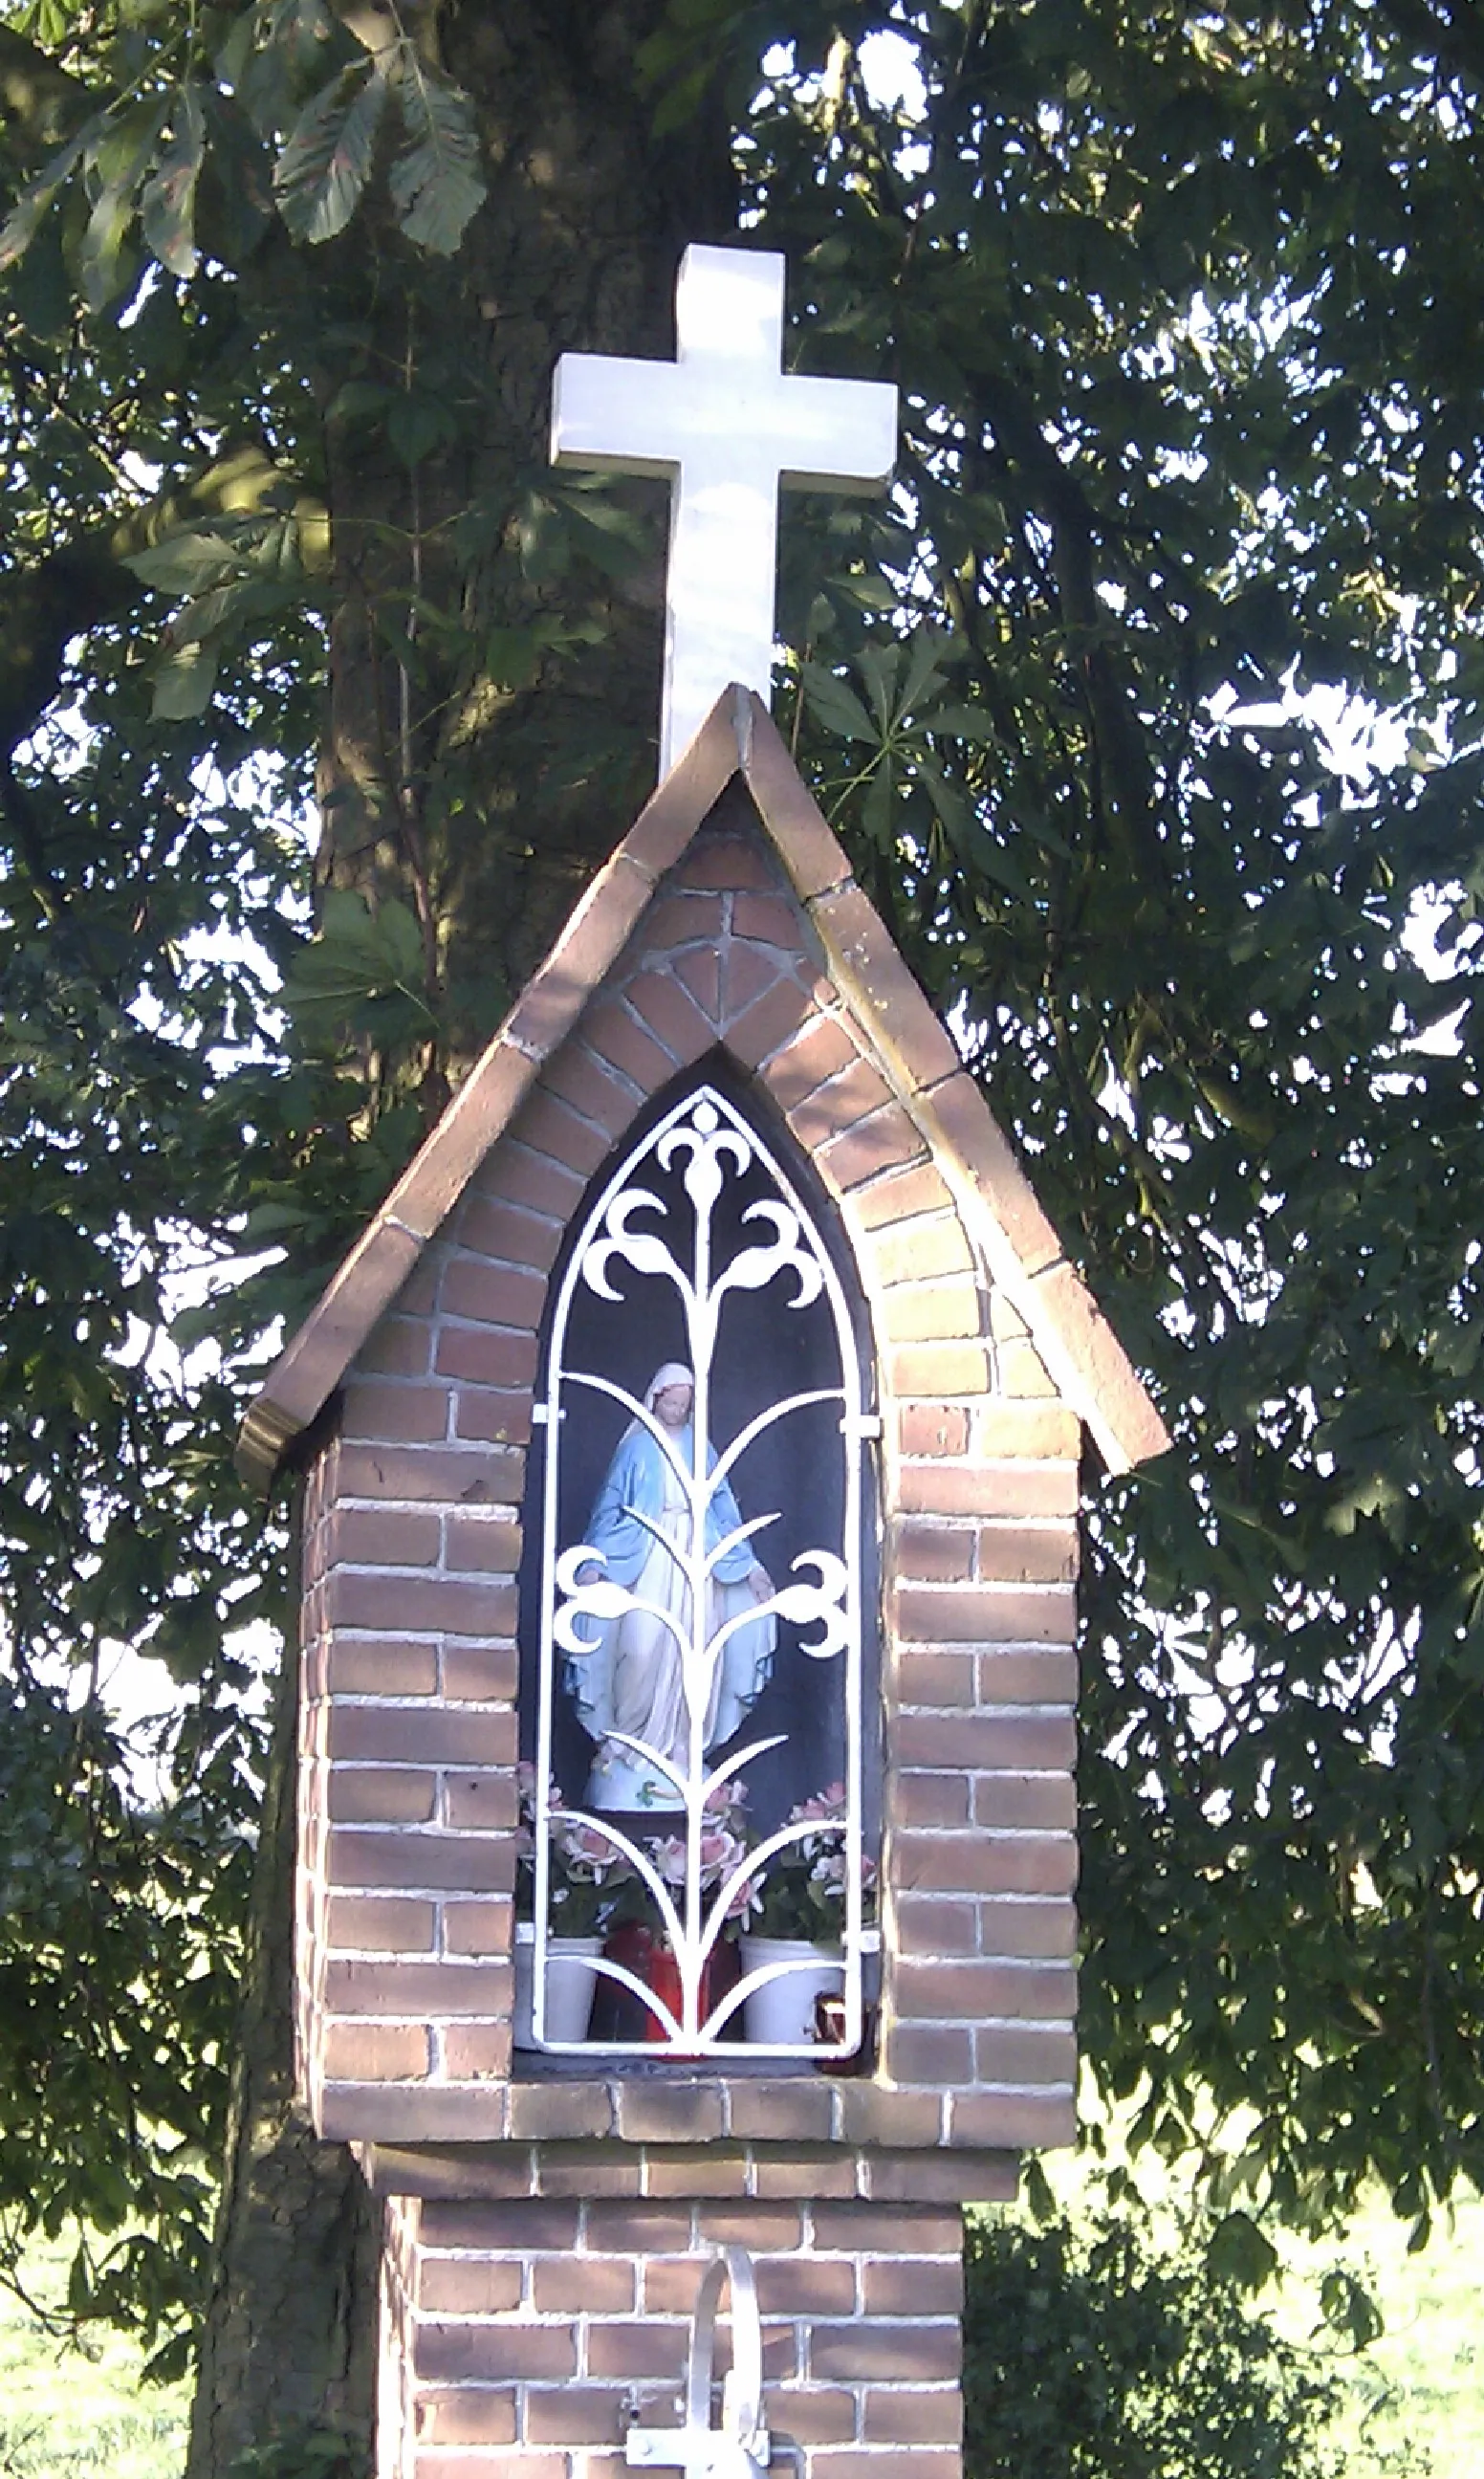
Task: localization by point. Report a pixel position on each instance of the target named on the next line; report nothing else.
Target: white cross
(741, 2447)
(725, 425)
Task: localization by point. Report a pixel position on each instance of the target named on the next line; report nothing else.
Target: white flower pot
(570, 1986)
(781, 2013)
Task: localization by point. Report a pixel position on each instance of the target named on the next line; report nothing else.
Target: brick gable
(412, 1546)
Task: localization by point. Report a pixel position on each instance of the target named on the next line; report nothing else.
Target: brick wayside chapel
(545, 2237)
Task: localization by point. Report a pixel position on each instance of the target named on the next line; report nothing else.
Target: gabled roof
(1024, 1255)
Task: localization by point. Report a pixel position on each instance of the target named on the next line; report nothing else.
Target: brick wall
(411, 1539)
(530, 2336)
(406, 1781)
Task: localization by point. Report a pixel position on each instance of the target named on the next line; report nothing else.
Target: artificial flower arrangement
(801, 1894)
(587, 1875)
(723, 1847)
(595, 1889)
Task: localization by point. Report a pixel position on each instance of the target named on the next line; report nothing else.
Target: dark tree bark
(288, 2347)
(484, 803)
(486, 808)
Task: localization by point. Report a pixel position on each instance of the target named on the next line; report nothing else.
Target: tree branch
(21, 817)
(45, 607)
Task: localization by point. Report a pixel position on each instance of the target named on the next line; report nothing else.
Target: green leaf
(189, 1635)
(1238, 2252)
(543, 538)
(837, 706)
(962, 723)
(167, 206)
(360, 401)
(996, 862)
(203, 617)
(299, 26)
(1348, 2308)
(79, 2284)
(511, 656)
(20, 226)
(1035, 2190)
(924, 668)
(878, 814)
(437, 185)
(879, 666)
(119, 163)
(235, 49)
(183, 562)
(184, 685)
(325, 161)
(418, 425)
(949, 802)
(365, 970)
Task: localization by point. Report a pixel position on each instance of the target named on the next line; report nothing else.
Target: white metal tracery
(707, 1141)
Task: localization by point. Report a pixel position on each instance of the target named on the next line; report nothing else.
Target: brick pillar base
(520, 2339)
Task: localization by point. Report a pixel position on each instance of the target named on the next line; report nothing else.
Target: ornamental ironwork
(697, 1286)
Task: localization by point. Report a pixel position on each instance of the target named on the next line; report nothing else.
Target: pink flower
(825, 1808)
(719, 1851)
(526, 1781)
(746, 1898)
(584, 1847)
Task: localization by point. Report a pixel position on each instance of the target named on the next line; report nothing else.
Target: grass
(64, 2412)
(1420, 2385)
(1422, 2382)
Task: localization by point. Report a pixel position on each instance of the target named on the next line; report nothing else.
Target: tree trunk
(485, 805)
(288, 2348)
(479, 784)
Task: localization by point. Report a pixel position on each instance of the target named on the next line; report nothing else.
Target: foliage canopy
(1093, 2352)
(1193, 359)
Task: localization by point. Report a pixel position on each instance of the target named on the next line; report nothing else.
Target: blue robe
(608, 1688)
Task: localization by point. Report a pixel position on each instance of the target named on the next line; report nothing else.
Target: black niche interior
(794, 1473)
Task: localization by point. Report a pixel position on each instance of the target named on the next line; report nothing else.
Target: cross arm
(852, 423)
(609, 415)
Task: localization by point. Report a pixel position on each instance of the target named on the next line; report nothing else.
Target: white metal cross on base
(725, 423)
(741, 2447)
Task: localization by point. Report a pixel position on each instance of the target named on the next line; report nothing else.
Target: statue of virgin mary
(632, 1680)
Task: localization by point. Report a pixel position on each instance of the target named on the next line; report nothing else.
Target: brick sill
(777, 2173)
(629, 2066)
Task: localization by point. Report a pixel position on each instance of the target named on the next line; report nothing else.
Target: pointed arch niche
(700, 1593)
